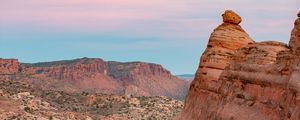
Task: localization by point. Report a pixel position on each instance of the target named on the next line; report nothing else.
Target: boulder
(231, 17)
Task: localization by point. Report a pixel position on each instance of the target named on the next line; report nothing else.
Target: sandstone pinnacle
(230, 16)
(224, 41)
(240, 79)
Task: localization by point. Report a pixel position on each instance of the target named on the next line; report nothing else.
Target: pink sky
(136, 25)
(120, 15)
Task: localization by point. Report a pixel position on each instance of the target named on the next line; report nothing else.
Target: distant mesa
(97, 75)
(186, 76)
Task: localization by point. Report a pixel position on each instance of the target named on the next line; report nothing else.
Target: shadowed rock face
(96, 75)
(295, 36)
(256, 81)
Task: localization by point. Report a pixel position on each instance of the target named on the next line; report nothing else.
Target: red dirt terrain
(20, 101)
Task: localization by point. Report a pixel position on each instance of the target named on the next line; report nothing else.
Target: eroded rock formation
(253, 81)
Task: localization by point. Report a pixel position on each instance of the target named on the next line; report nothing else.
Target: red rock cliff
(9, 66)
(96, 75)
(148, 79)
(68, 69)
(259, 81)
(72, 75)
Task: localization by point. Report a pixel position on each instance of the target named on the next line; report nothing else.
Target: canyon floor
(23, 101)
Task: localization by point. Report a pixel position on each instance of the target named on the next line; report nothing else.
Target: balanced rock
(225, 40)
(246, 81)
(231, 17)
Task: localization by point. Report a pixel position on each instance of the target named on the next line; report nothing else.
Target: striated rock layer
(96, 75)
(245, 80)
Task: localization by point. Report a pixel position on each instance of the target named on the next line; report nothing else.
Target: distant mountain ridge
(186, 76)
(97, 75)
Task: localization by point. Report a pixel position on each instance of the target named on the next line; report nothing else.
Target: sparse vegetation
(52, 104)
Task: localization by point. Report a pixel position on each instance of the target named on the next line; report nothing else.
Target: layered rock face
(148, 79)
(9, 68)
(223, 42)
(72, 75)
(96, 75)
(72, 69)
(258, 81)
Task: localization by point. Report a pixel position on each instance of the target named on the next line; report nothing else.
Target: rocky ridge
(240, 79)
